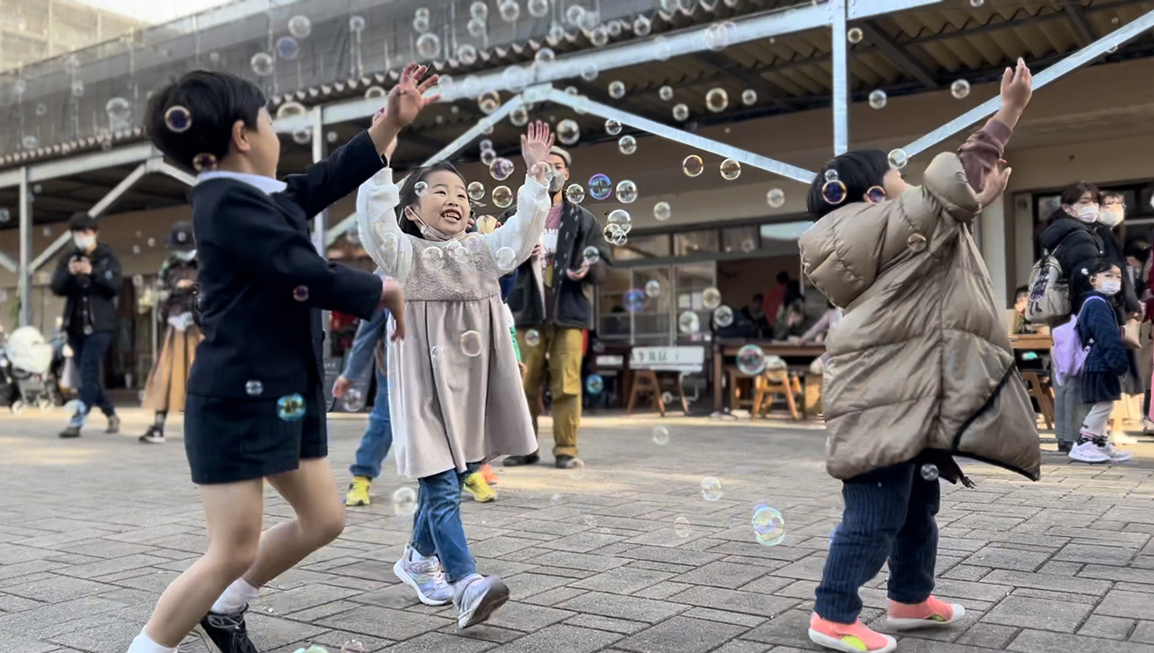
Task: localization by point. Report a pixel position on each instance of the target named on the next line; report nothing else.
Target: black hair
(858, 171)
(1073, 193)
(81, 221)
(1022, 290)
(783, 277)
(1111, 193)
(213, 102)
(1080, 279)
(1138, 248)
(409, 195)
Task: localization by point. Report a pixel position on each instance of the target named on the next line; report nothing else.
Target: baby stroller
(27, 377)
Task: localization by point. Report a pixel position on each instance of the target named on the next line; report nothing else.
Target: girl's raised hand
(536, 143)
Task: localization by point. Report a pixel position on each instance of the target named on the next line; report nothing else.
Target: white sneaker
(1115, 454)
(425, 576)
(1088, 452)
(477, 597)
(1122, 438)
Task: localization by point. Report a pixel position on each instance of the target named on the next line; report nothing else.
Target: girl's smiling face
(445, 204)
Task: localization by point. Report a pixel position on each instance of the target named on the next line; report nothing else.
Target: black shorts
(229, 440)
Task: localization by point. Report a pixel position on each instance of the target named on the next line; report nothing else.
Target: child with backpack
(1107, 359)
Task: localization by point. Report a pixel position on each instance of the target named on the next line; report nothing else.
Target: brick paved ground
(92, 530)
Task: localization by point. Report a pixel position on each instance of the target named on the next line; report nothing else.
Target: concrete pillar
(24, 272)
(993, 246)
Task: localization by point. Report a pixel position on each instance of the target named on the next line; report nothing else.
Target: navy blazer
(263, 284)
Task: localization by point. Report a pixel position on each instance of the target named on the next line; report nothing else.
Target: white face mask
(427, 232)
(1087, 213)
(185, 256)
(83, 241)
(556, 181)
(1110, 287)
(1110, 217)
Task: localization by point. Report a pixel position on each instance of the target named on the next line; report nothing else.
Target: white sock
(144, 644)
(236, 597)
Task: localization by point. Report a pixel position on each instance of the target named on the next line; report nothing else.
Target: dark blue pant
(437, 526)
(889, 514)
(88, 355)
(378, 437)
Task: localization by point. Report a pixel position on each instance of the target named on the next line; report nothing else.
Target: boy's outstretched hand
(393, 299)
(1017, 89)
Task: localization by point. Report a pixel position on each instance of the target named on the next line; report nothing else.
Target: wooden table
(1031, 342)
(780, 349)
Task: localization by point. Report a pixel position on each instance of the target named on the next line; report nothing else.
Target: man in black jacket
(553, 299)
(88, 277)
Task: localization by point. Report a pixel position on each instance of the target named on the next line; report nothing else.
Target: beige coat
(449, 408)
(921, 359)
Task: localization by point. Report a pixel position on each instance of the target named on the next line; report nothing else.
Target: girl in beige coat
(919, 368)
(450, 379)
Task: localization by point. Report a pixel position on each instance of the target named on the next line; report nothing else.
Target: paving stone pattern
(92, 530)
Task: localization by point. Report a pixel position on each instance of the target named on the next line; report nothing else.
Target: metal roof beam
(1078, 19)
(751, 78)
(1067, 65)
(898, 54)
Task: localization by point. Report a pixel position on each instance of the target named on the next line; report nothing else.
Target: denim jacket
(370, 333)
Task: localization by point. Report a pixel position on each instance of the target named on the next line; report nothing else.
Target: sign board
(668, 359)
(612, 362)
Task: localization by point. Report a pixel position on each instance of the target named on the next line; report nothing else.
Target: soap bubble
(854, 35)
(634, 300)
(710, 298)
(262, 64)
(420, 22)
(600, 186)
(591, 255)
(538, 8)
(5, 215)
(612, 127)
(594, 384)
(287, 48)
(877, 194)
(717, 100)
(532, 338)
(290, 109)
(476, 27)
(682, 527)
(178, 119)
(626, 192)
(775, 198)
(429, 45)
(302, 136)
(479, 9)
(661, 435)
(730, 169)
(616, 90)
(719, 35)
(420, 188)
(433, 258)
(833, 192)
(471, 343)
(476, 191)
(544, 57)
(576, 469)
(506, 259)
(354, 646)
(204, 161)
(692, 166)
(488, 102)
(300, 26)
(502, 197)
(374, 92)
(575, 15)
(29, 142)
(519, 117)
(575, 193)
(653, 288)
(960, 89)
(930, 472)
(77, 88)
(254, 388)
(749, 97)
(768, 526)
(437, 353)
(467, 54)
(680, 112)
(119, 113)
(19, 87)
(723, 316)
(300, 293)
(688, 323)
(662, 211)
(627, 144)
(977, 3)
(488, 157)
(665, 93)
(501, 168)
(878, 99)
(568, 132)
(290, 408)
(353, 400)
(509, 10)
(642, 26)
(751, 360)
(589, 72)
(710, 489)
(621, 218)
(404, 502)
(356, 23)
(898, 159)
(598, 36)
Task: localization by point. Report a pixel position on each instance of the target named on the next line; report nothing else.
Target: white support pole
(165, 168)
(95, 212)
(840, 78)
(24, 281)
(7, 263)
(1067, 65)
(320, 221)
(693, 140)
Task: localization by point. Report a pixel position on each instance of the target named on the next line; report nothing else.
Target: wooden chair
(1042, 394)
(737, 379)
(649, 381)
(770, 384)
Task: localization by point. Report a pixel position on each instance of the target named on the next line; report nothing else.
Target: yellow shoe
(358, 494)
(475, 485)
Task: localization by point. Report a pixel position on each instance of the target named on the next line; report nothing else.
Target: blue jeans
(378, 438)
(88, 355)
(889, 514)
(437, 526)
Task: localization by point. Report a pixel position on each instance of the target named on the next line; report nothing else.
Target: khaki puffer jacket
(921, 361)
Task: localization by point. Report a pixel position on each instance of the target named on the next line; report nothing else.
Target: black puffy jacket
(89, 297)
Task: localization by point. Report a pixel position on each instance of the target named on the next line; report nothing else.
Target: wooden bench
(650, 382)
(774, 383)
(1041, 393)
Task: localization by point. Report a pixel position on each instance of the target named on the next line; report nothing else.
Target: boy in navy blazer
(255, 409)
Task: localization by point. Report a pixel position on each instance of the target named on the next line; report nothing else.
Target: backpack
(1049, 299)
(1069, 352)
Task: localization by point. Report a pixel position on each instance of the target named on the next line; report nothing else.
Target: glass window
(784, 231)
(614, 323)
(692, 280)
(651, 324)
(643, 247)
(695, 242)
(740, 239)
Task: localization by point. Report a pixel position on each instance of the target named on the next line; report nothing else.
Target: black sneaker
(113, 424)
(225, 633)
(1064, 447)
(70, 432)
(154, 435)
(518, 461)
(565, 462)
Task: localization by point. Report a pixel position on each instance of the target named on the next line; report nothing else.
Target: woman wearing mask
(1075, 242)
(176, 290)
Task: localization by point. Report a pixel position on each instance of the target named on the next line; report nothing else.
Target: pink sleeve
(981, 151)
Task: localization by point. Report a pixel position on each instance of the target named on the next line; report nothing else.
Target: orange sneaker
(848, 638)
(489, 474)
(928, 614)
